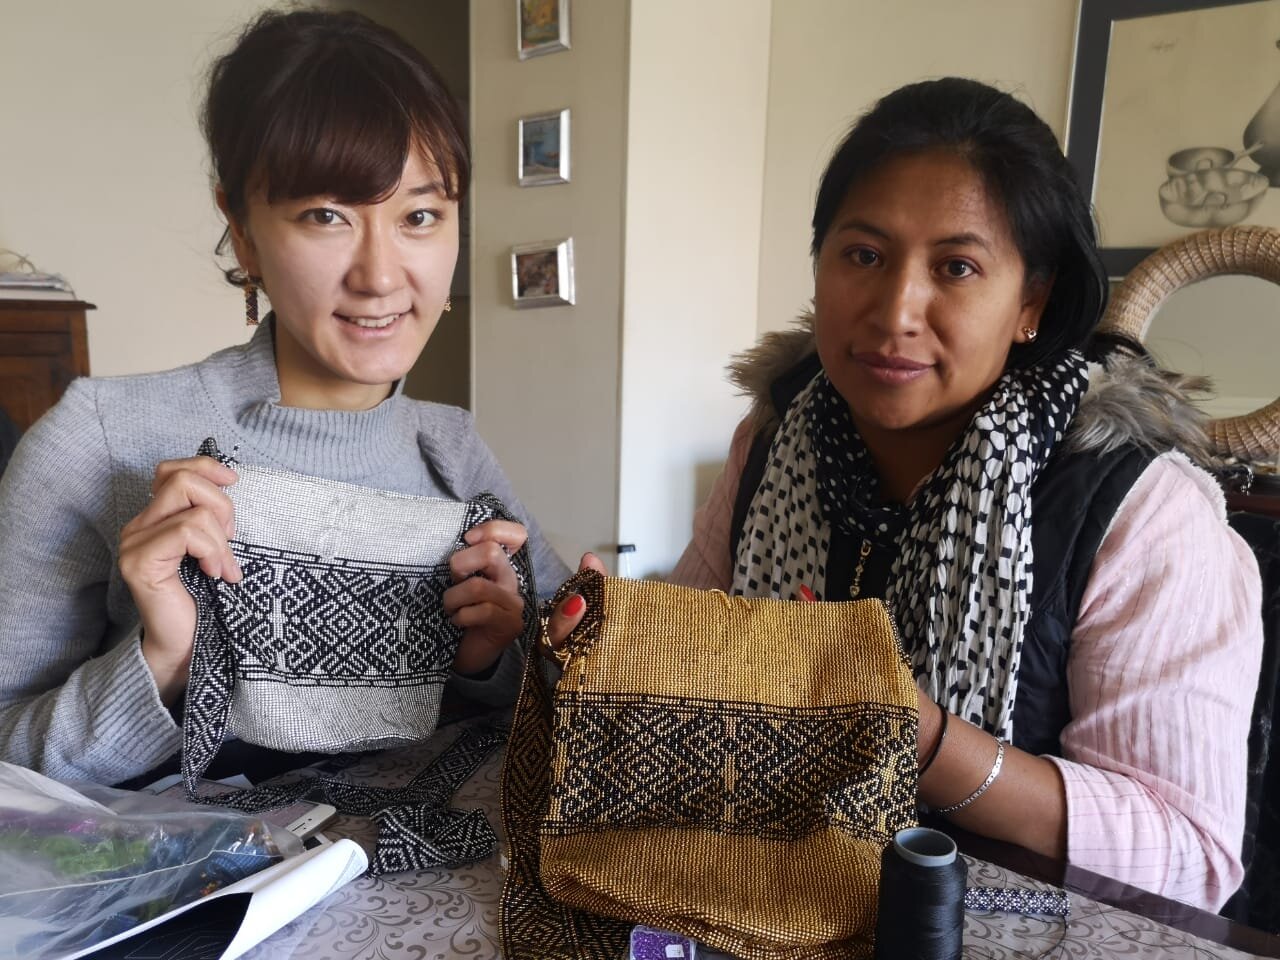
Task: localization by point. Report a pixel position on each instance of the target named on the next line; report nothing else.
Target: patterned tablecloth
(453, 914)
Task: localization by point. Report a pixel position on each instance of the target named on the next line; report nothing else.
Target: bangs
(340, 122)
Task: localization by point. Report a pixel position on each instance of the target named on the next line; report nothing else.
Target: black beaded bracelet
(937, 747)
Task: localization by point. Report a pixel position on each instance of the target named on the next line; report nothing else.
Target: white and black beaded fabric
(336, 639)
(417, 829)
(1046, 903)
(961, 580)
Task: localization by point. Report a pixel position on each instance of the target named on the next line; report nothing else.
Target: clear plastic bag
(84, 863)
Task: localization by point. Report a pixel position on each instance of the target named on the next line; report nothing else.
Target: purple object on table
(650, 944)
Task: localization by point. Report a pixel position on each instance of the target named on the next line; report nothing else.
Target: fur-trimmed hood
(1128, 400)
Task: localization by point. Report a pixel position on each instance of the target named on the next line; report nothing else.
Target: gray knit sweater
(76, 698)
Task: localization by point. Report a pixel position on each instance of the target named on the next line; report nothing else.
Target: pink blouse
(1162, 673)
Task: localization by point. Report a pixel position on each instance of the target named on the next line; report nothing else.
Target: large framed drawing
(1175, 119)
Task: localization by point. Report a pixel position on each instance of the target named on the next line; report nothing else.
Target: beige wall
(611, 415)
(831, 59)
(546, 380)
(103, 175)
(695, 163)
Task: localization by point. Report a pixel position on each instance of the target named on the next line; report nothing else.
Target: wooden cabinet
(43, 347)
(1267, 504)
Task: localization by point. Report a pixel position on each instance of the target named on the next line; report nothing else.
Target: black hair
(311, 102)
(1024, 171)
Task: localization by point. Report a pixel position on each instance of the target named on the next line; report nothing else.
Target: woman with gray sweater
(340, 161)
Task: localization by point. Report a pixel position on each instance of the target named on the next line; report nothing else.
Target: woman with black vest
(945, 432)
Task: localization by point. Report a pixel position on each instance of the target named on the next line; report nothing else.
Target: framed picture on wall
(544, 149)
(542, 273)
(542, 26)
(1175, 119)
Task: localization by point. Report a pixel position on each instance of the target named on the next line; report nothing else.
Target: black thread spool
(921, 910)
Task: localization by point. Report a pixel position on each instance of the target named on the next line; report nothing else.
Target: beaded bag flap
(336, 639)
(727, 769)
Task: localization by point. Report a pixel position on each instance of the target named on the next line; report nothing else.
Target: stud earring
(250, 303)
(448, 304)
(1030, 333)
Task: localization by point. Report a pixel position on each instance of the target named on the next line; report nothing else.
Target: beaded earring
(250, 303)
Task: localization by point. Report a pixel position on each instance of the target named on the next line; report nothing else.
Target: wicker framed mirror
(1249, 251)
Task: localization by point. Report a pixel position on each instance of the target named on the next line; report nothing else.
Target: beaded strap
(1049, 903)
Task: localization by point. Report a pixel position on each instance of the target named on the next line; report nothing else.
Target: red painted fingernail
(574, 605)
(807, 594)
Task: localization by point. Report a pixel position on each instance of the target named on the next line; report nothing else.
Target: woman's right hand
(568, 612)
(189, 515)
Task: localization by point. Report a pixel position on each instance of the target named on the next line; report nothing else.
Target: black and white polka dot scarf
(960, 585)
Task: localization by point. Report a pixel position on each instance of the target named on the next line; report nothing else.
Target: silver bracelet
(991, 778)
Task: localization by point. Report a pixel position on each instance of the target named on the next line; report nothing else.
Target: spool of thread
(922, 883)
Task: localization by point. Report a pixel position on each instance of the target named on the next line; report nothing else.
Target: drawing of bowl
(1212, 197)
(1194, 159)
(1198, 159)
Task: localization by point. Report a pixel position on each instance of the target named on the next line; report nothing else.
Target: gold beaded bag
(726, 769)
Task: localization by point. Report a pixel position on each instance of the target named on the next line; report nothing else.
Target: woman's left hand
(485, 597)
(568, 613)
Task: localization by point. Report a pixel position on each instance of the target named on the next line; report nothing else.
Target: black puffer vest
(1074, 500)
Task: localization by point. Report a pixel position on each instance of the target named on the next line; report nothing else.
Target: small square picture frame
(542, 274)
(543, 156)
(542, 27)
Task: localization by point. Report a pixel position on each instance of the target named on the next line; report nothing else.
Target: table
(453, 914)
